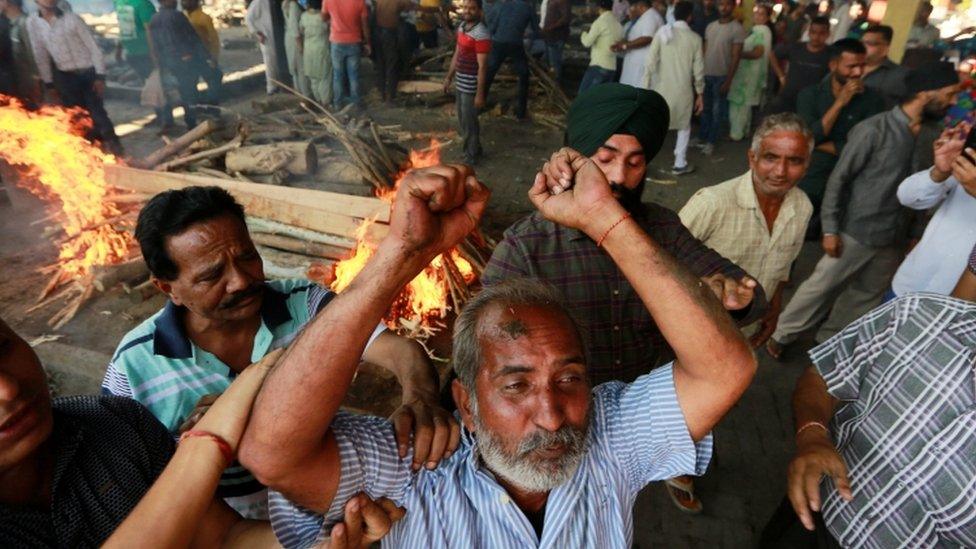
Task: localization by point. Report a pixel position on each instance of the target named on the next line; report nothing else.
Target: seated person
(222, 315)
(886, 433)
(544, 456)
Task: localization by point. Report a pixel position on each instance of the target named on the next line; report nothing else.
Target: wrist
(812, 432)
(601, 218)
(937, 175)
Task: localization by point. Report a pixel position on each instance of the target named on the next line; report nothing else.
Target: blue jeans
(595, 75)
(716, 111)
(554, 54)
(345, 66)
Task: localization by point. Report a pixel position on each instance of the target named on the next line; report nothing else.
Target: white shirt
(633, 68)
(939, 259)
(258, 19)
(67, 41)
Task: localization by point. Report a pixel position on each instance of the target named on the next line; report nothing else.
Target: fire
(425, 298)
(48, 149)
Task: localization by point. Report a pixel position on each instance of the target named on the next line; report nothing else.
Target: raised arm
(287, 445)
(714, 363)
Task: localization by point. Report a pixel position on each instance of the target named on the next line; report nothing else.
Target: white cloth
(542, 13)
(676, 69)
(937, 262)
(681, 148)
(841, 22)
(647, 24)
(67, 42)
(258, 20)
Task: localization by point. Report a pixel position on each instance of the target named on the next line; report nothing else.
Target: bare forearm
(811, 401)
(482, 73)
(829, 118)
(408, 361)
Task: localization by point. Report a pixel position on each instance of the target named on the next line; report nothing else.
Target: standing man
(555, 33)
(387, 54)
(881, 74)
(923, 34)
(831, 108)
(702, 16)
(808, 63)
(723, 48)
(758, 220)
(864, 226)
(600, 38)
(645, 21)
(349, 39)
(26, 78)
(508, 22)
(72, 67)
(134, 17)
(675, 70)
(182, 55)
(259, 22)
(292, 11)
(469, 68)
(204, 27)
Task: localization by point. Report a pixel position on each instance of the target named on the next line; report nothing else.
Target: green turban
(609, 109)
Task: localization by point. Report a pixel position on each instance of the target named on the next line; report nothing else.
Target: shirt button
(617, 362)
(616, 328)
(504, 499)
(616, 292)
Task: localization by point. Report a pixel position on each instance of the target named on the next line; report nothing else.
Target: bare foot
(774, 348)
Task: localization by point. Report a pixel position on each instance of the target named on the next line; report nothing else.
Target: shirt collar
(745, 194)
(899, 115)
(170, 339)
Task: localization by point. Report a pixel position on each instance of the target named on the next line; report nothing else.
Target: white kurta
(677, 69)
(258, 20)
(633, 67)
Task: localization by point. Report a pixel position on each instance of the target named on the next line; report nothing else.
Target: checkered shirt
(906, 426)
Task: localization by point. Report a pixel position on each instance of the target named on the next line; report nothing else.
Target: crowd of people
(610, 335)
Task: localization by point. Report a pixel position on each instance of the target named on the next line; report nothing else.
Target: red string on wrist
(222, 444)
(599, 243)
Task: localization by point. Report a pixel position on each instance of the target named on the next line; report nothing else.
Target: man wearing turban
(620, 128)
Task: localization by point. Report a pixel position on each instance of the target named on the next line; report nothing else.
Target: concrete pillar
(899, 16)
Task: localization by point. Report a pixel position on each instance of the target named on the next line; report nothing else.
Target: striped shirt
(638, 435)
(906, 426)
(158, 365)
(622, 339)
(66, 42)
(470, 42)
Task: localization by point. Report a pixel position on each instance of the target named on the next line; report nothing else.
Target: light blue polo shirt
(157, 365)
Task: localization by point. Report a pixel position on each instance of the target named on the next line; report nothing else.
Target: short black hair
(170, 213)
(847, 45)
(885, 31)
(682, 10)
(820, 20)
(605, 4)
(478, 2)
(315, 4)
(636, 2)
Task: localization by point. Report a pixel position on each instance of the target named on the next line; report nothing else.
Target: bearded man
(545, 460)
(620, 128)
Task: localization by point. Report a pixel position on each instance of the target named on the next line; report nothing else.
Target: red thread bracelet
(222, 444)
(599, 243)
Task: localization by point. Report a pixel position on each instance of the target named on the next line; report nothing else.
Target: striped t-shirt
(470, 43)
(157, 365)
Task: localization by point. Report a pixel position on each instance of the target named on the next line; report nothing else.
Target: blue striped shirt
(638, 435)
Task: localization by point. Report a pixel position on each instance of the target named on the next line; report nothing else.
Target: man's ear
(462, 399)
(164, 287)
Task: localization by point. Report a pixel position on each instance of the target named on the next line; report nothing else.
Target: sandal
(682, 493)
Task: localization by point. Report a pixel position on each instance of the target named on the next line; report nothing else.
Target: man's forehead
(623, 143)
(505, 324)
(206, 238)
(782, 140)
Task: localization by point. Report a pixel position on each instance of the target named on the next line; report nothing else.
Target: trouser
(681, 148)
(716, 110)
(76, 89)
(321, 89)
(387, 58)
(188, 74)
(409, 42)
(595, 75)
(345, 68)
(853, 282)
(740, 120)
(270, 57)
(296, 66)
(554, 54)
(428, 38)
(468, 126)
(785, 531)
(502, 51)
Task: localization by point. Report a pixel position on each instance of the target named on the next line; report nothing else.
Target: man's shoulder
(477, 32)
(800, 201)
(137, 343)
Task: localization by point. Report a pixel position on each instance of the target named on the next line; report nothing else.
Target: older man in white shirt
(645, 20)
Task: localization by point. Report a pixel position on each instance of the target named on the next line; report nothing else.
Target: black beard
(630, 199)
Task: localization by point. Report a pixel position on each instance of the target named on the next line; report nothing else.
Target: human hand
(767, 326)
(853, 87)
(364, 523)
(262, 38)
(435, 208)
(198, 412)
(572, 191)
(618, 47)
(782, 81)
(699, 104)
(946, 149)
(724, 90)
(99, 87)
(436, 434)
(479, 101)
(735, 294)
(964, 170)
(815, 457)
(367, 50)
(832, 245)
(447, 85)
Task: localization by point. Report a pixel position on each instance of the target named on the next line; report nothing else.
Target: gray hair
(466, 355)
(782, 122)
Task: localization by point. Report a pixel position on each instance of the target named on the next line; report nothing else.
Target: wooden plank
(321, 211)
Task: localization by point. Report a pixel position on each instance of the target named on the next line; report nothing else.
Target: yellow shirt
(427, 22)
(203, 24)
(604, 32)
(726, 218)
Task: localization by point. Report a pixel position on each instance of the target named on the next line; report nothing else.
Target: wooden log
(342, 171)
(260, 225)
(420, 86)
(352, 189)
(178, 144)
(289, 244)
(105, 277)
(275, 103)
(296, 157)
(202, 155)
(140, 292)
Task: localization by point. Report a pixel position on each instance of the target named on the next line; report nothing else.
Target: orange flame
(424, 299)
(48, 149)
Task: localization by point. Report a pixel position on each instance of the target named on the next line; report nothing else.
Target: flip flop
(682, 493)
(774, 349)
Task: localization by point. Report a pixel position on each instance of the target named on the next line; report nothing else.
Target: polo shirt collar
(170, 339)
(745, 197)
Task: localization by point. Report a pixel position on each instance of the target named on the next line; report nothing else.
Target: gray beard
(524, 470)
